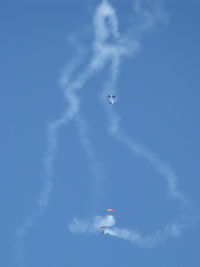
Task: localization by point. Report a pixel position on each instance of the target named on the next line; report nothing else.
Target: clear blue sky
(159, 104)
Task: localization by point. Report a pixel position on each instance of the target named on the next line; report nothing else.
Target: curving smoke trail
(109, 47)
(70, 89)
(48, 161)
(113, 52)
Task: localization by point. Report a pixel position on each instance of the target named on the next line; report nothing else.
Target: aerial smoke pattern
(109, 47)
(92, 224)
(114, 52)
(72, 112)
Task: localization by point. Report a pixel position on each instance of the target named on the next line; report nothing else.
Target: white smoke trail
(48, 161)
(148, 241)
(70, 89)
(108, 47)
(44, 196)
(96, 167)
(92, 226)
(114, 129)
(114, 52)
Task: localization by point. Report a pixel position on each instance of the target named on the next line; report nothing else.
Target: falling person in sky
(112, 99)
(110, 211)
(103, 228)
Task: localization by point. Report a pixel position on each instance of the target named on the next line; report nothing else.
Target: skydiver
(110, 211)
(111, 99)
(102, 228)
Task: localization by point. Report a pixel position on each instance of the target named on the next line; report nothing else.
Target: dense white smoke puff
(91, 225)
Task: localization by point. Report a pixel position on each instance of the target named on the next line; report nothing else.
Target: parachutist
(112, 99)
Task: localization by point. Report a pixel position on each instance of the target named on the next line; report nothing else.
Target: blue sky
(94, 169)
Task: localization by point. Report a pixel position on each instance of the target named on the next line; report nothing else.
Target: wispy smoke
(93, 225)
(149, 241)
(70, 89)
(111, 46)
(44, 196)
(162, 167)
(95, 165)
